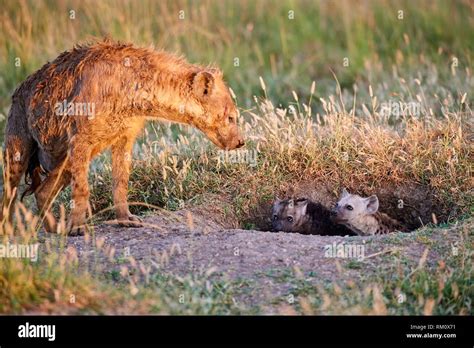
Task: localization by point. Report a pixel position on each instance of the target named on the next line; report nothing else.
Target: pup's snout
(241, 143)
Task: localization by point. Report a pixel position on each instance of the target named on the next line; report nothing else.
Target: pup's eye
(349, 207)
(275, 217)
(231, 119)
(290, 219)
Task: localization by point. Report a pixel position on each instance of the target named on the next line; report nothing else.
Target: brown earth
(182, 242)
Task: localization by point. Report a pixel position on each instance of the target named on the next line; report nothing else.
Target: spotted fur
(305, 217)
(126, 85)
(361, 215)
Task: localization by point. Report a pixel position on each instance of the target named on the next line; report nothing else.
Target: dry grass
(398, 287)
(363, 152)
(332, 134)
(61, 281)
(288, 53)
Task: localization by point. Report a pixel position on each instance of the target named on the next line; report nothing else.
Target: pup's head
(217, 115)
(289, 215)
(352, 207)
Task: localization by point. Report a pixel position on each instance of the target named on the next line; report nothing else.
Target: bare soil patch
(182, 242)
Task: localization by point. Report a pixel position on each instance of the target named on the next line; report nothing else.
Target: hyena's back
(34, 128)
(37, 138)
(386, 224)
(32, 117)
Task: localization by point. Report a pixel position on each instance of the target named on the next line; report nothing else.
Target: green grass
(396, 287)
(288, 53)
(337, 137)
(58, 283)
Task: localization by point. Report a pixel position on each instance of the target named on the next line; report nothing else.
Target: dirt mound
(182, 242)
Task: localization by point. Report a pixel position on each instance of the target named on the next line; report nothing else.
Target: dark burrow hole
(413, 205)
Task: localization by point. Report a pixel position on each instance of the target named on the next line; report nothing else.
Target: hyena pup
(361, 215)
(125, 85)
(305, 217)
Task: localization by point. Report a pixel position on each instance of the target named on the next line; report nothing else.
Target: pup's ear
(344, 193)
(302, 204)
(202, 84)
(372, 203)
(277, 201)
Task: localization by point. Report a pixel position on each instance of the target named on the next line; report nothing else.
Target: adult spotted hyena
(98, 96)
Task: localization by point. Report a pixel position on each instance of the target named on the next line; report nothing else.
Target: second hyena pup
(305, 217)
(361, 215)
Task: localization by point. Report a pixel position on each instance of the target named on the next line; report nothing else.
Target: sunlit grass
(361, 150)
(397, 287)
(294, 44)
(306, 125)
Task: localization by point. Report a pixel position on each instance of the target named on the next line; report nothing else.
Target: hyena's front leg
(80, 157)
(121, 161)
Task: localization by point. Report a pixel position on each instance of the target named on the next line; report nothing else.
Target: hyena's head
(289, 215)
(351, 208)
(217, 115)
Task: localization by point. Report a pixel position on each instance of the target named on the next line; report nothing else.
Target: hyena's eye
(275, 217)
(290, 219)
(349, 207)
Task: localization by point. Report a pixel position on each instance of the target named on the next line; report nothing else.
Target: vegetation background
(310, 78)
(289, 43)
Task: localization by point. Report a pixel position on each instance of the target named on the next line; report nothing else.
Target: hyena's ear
(372, 204)
(215, 71)
(202, 84)
(344, 193)
(302, 204)
(276, 201)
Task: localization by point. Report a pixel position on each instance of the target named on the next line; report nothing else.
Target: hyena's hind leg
(45, 194)
(16, 158)
(121, 161)
(80, 157)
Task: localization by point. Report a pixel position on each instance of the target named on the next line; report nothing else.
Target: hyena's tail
(19, 155)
